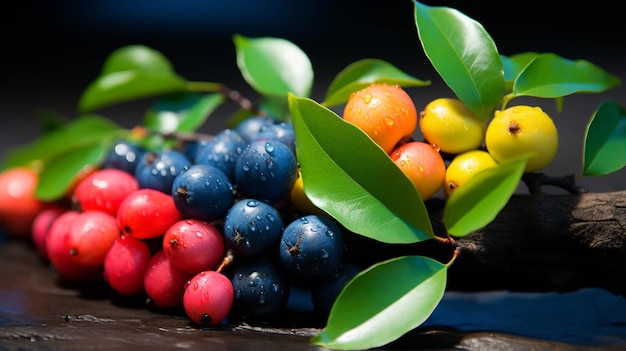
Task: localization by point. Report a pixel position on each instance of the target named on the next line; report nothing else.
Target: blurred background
(53, 49)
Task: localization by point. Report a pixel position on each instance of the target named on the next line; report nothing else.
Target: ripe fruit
(18, 205)
(384, 112)
(202, 192)
(324, 295)
(125, 265)
(267, 169)
(281, 131)
(147, 213)
(451, 126)
(208, 298)
(250, 127)
(104, 190)
(464, 166)
(41, 226)
(222, 151)
(90, 236)
(519, 130)
(165, 283)
(423, 165)
(311, 248)
(193, 246)
(124, 155)
(252, 227)
(157, 169)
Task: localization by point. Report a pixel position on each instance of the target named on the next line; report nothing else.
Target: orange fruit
(423, 165)
(18, 205)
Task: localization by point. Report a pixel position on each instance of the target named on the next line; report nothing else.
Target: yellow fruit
(450, 125)
(422, 164)
(464, 166)
(300, 201)
(522, 129)
(384, 112)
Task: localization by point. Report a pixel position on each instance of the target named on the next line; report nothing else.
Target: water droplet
(270, 148)
(389, 121)
(252, 226)
(324, 253)
(198, 235)
(367, 98)
(252, 203)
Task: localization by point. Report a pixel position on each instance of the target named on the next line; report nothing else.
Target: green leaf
(75, 133)
(604, 149)
(353, 179)
(384, 302)
(136, 58)
(550, 75)
(464, 55)
(184, 112)
(274, 66)
(58, 176)
(362, 73)
(477, 202)
(514, 65)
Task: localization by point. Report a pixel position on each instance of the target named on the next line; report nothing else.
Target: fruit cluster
(452, 133)
(218, 227)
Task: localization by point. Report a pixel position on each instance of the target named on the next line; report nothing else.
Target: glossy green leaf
(383, 303)
(464, 55)
(59, 175)
(550, 75)
(136, 57)
(75, 133)
(184, 112)
(364, 72)
(514, 65)
(124, 86)
(274, 66)
(353, 179)
(477, 202)
(604, 149)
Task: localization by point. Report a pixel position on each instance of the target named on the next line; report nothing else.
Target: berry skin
(384, 112)
(282, 132)
(311, 248)
(41, 226)
(202, 192)
(261, 289)
(423, 165)
(208, 298)
(325, 294)
(104, 190)
(18, 205)
(522, 129)
(464, 166)
(252, 227)
(91, 234)
(147, 213)
(267, 169)
(222, 151)
(250, 127)
(124, 155)
(193, 246)
(125, 265)
(157, 169)
(451, 126)
(165, 283)
(57, 245)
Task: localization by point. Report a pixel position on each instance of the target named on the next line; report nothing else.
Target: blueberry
(202, 192)
(124, 155)
(282, 132)
(222, 151)
(157, 169)
(250, 127)
(311, 248)
(261, 289)
(252, 227)
(325, 294)
(266, 169)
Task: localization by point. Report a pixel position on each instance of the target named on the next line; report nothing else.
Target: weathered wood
(536, 243)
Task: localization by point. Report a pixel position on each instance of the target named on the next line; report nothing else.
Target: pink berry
(125, 265)
(104, 190)
(193, 245)
(147, 213)
(41, 225)
(57, 244)
(90, 236)
(208, 298)
(164, 283)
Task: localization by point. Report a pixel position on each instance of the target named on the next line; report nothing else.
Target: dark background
(53, 49)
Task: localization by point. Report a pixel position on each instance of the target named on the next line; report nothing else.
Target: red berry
(57, 243)
(90, 236)
(164, 283)
(18, 204)
(41, 227)
(193, 246)
(104, 190)
(208, 298)
(125, 265)
(147, 213)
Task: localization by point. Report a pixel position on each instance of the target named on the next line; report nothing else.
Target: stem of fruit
(226, 261)
(233, 95)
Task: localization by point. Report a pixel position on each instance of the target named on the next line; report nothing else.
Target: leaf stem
(233, 95)
(505, 100)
